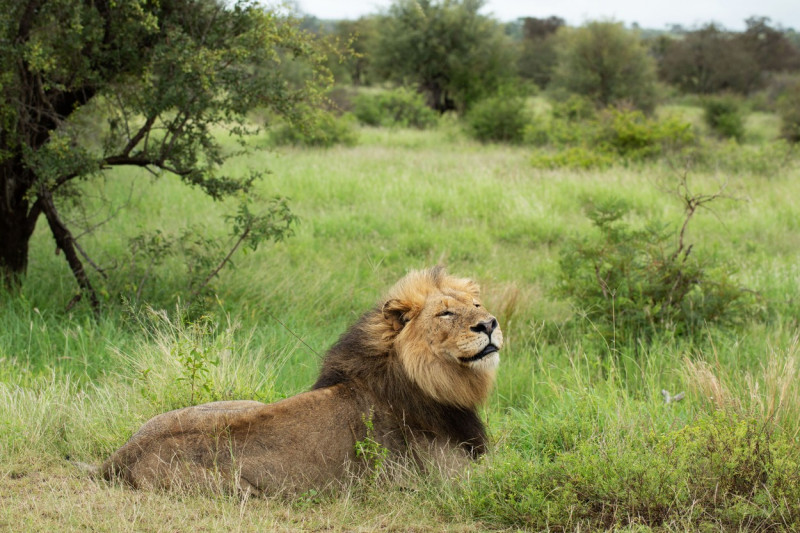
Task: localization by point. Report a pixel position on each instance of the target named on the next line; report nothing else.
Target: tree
(361, 35)
(709, 60)
(538, 55)
(770, 47)
(156, 78)
(606, 63)
(451, 52)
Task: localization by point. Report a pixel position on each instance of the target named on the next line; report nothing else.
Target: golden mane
(385, 353)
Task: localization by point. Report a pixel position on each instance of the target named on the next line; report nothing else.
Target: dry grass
(771, 392)
(62, 498)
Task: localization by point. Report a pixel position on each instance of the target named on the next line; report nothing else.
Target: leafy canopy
(451, 52)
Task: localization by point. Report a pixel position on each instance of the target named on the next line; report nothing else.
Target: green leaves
(453, 53)
(630, 282)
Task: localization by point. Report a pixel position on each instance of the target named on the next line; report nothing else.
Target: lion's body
(409, 374)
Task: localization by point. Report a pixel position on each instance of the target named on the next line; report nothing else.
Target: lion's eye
(446, 312)
(477, 305)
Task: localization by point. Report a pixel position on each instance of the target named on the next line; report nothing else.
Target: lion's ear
(396, 313)
(473, 288)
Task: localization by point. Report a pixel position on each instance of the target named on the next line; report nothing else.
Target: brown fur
(416, 367)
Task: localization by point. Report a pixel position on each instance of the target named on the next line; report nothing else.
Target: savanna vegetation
(637, 239)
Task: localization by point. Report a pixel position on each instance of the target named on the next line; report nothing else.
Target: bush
(631, 283)
(717, 473)
(596, 140)
(789, 110)
(499, 118)
(398, 107)
(324, 131)
(632, 135)
(723, 115)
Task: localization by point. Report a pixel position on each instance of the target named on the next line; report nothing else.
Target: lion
(409, 374)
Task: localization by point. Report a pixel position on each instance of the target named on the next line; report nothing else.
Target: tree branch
(221, 264)
(66, 243)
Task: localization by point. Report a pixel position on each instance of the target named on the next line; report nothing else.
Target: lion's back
(259, 447)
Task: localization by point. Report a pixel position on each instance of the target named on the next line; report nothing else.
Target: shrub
(499, 118)
(597, 140)
(633, 282)
(789, 110)
(717, 473)
(632, 135)
(723, 115)
(575, 107)
(324, 131)
(398, 107)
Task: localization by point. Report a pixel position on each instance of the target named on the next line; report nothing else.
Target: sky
(652, 15)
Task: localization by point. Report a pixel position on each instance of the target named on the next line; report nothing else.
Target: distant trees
(449, 51)
(711, 59)
(606, 63)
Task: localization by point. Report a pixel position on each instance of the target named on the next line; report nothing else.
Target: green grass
(579, 429)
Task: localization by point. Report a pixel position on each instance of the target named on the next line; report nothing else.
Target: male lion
(408, 375)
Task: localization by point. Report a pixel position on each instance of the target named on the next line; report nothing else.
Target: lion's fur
(408, 369)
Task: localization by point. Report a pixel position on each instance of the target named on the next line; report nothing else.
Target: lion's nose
(486, 326)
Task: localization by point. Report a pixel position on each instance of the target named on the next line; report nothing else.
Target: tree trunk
(17, 222)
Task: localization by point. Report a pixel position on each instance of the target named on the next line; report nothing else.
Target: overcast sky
(655, 15)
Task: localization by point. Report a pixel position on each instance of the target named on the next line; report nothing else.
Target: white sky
(649, 14)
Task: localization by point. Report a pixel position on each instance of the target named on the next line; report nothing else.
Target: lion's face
(460, 330)
(446, 340)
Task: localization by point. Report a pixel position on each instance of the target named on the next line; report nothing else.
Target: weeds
(372, 452)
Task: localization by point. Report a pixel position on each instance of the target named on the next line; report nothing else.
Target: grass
(579, 427)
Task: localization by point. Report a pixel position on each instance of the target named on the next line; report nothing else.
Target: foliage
(370, 451)
(585, 139)
(723, 114)
(501, 118)
(324, 131)
(633, 282)
(720, 470)
(710, 59)
(537, 58)
(361, 35)
(196, 363)
(606, 63)
(198, 258)
(789, 109)
(633, 136)
(453, 54)
(161, 78)
(401, 106)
